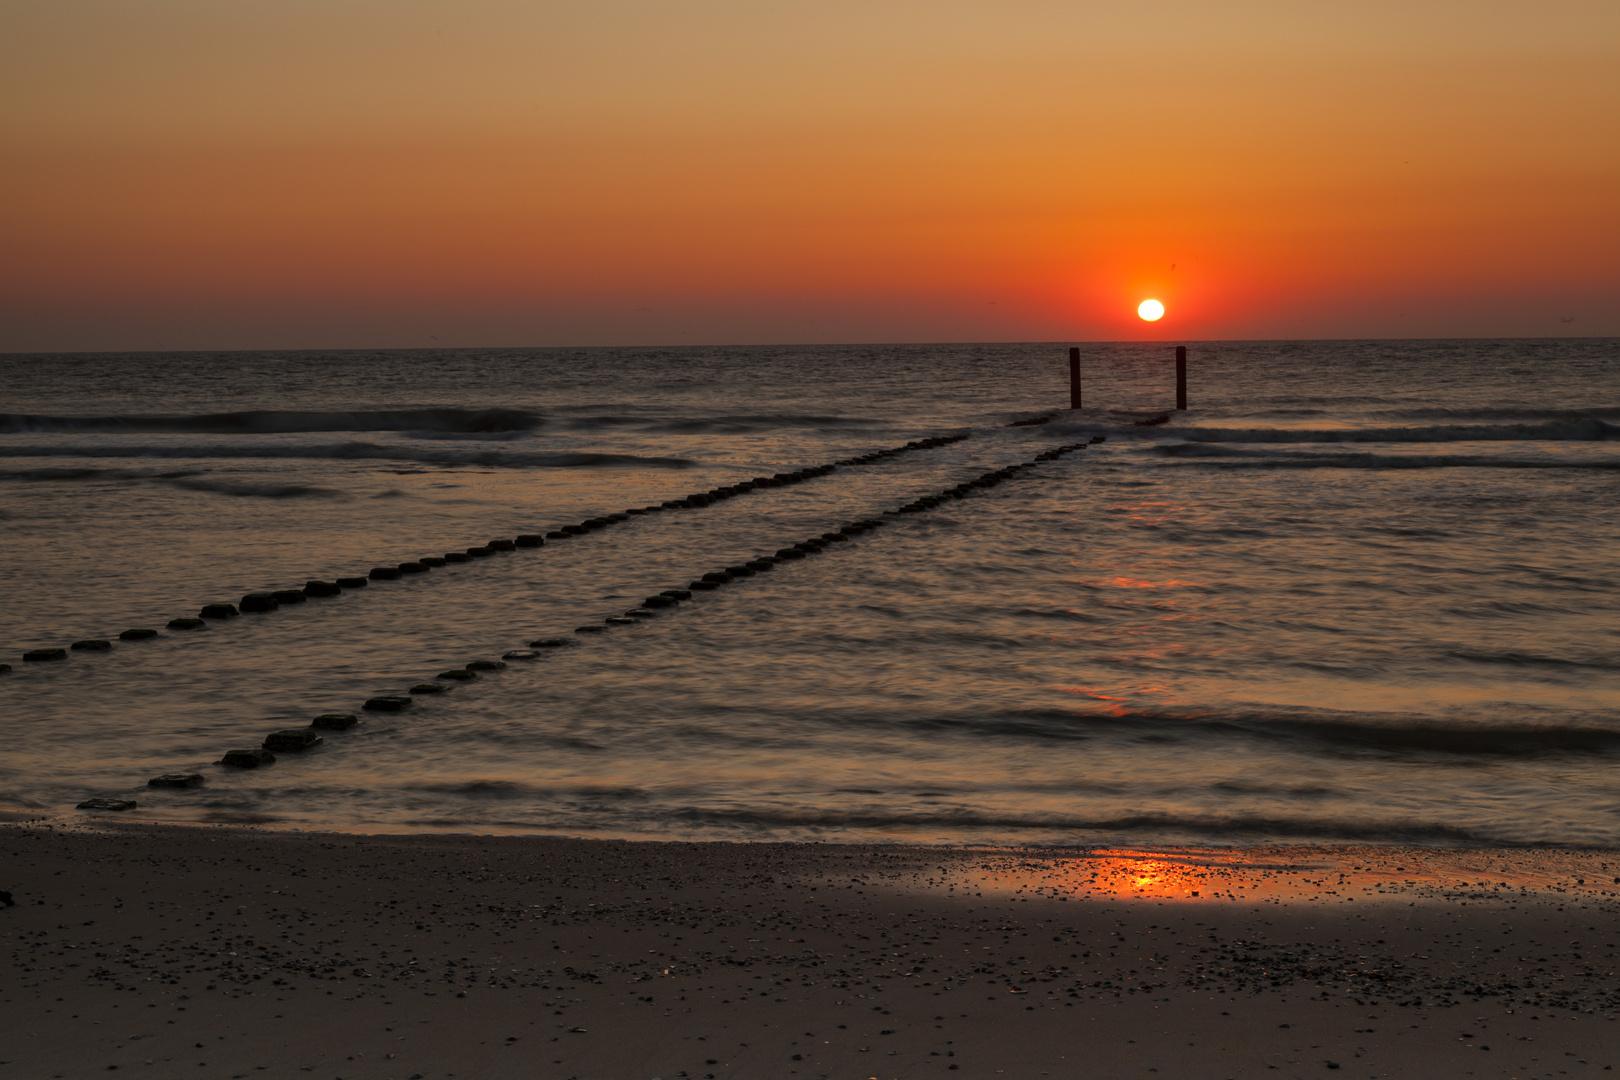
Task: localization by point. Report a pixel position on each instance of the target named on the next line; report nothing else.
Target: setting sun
(1151, 310)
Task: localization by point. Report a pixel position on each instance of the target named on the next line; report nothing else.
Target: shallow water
(1359, 591)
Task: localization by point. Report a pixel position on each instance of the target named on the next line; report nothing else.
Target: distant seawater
(1360, 591)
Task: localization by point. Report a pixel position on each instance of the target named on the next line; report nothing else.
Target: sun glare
(1151, 310)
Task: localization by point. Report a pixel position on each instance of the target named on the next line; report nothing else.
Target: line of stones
(297, 740)
(256, 602)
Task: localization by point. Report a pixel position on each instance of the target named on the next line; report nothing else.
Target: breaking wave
(279, 422)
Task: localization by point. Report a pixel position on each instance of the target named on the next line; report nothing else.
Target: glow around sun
(1151, 310)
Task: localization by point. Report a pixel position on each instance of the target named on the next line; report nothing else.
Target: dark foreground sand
(214, 952)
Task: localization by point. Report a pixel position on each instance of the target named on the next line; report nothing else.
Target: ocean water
(1359, 591)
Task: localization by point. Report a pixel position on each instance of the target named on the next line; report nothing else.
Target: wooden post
(1181, 377)
(1074, 377)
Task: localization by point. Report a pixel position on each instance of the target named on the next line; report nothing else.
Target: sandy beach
(227, 952)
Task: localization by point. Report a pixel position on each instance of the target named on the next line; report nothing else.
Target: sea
(1357, 592)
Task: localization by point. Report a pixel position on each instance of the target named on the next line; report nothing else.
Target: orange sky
(414, 172)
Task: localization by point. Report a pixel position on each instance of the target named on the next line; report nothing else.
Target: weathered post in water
(1074, 377)
(1181, 377)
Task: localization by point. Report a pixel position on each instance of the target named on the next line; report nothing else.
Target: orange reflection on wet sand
(1278, 874)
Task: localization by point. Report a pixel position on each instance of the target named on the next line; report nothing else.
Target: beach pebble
(457, 675)
(218, 611)
(138, 633)
(108, 804)
(352, 582)
(176, 780)
(389, 703)
(92, 645)
(457, 557)
(385, 573)
(529, 540)
(35, 656)
(291, 740)
(520, 654)
(322, 588)
(413, 568)
(187, 624)
(335, 721)
(485, 665)
(290, 596)
(248, 759)
(549, 643)
(259, 601)
(427, 688)
(432, 560)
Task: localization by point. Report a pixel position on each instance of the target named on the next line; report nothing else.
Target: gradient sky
(336, 173)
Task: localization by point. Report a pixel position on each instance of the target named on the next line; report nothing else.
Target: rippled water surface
(1358, 590)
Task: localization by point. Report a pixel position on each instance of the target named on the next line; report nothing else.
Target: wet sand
(225, 952)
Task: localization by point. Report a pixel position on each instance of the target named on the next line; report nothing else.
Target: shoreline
(366, 955)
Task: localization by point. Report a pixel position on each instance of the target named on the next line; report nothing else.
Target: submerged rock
(480, 552)
(322, 588)
(353, 582)
(432, 560)
(427, 688)
(385, 573)
(739, 571)
(290, 596)
(413, 568)
(35, 656)
(549, 643)
(291, 740)
(335, 721)
(92, 645)
(659, 601)
(704, 586)
(388, 703)
(108, 804)
(259, 601)
(619, 620)
(457, 675)
(176, 780)
(640, 613)
(520, 654)
(529, 540)
(501, 545)
(4, 668)
(485, 665)
(138, 633)
(457, 557)
(248, 759)
(677, 594)
(218, 611)
(589, 629)
(187, 624)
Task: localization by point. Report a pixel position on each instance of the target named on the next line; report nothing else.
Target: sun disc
(1151, 310)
